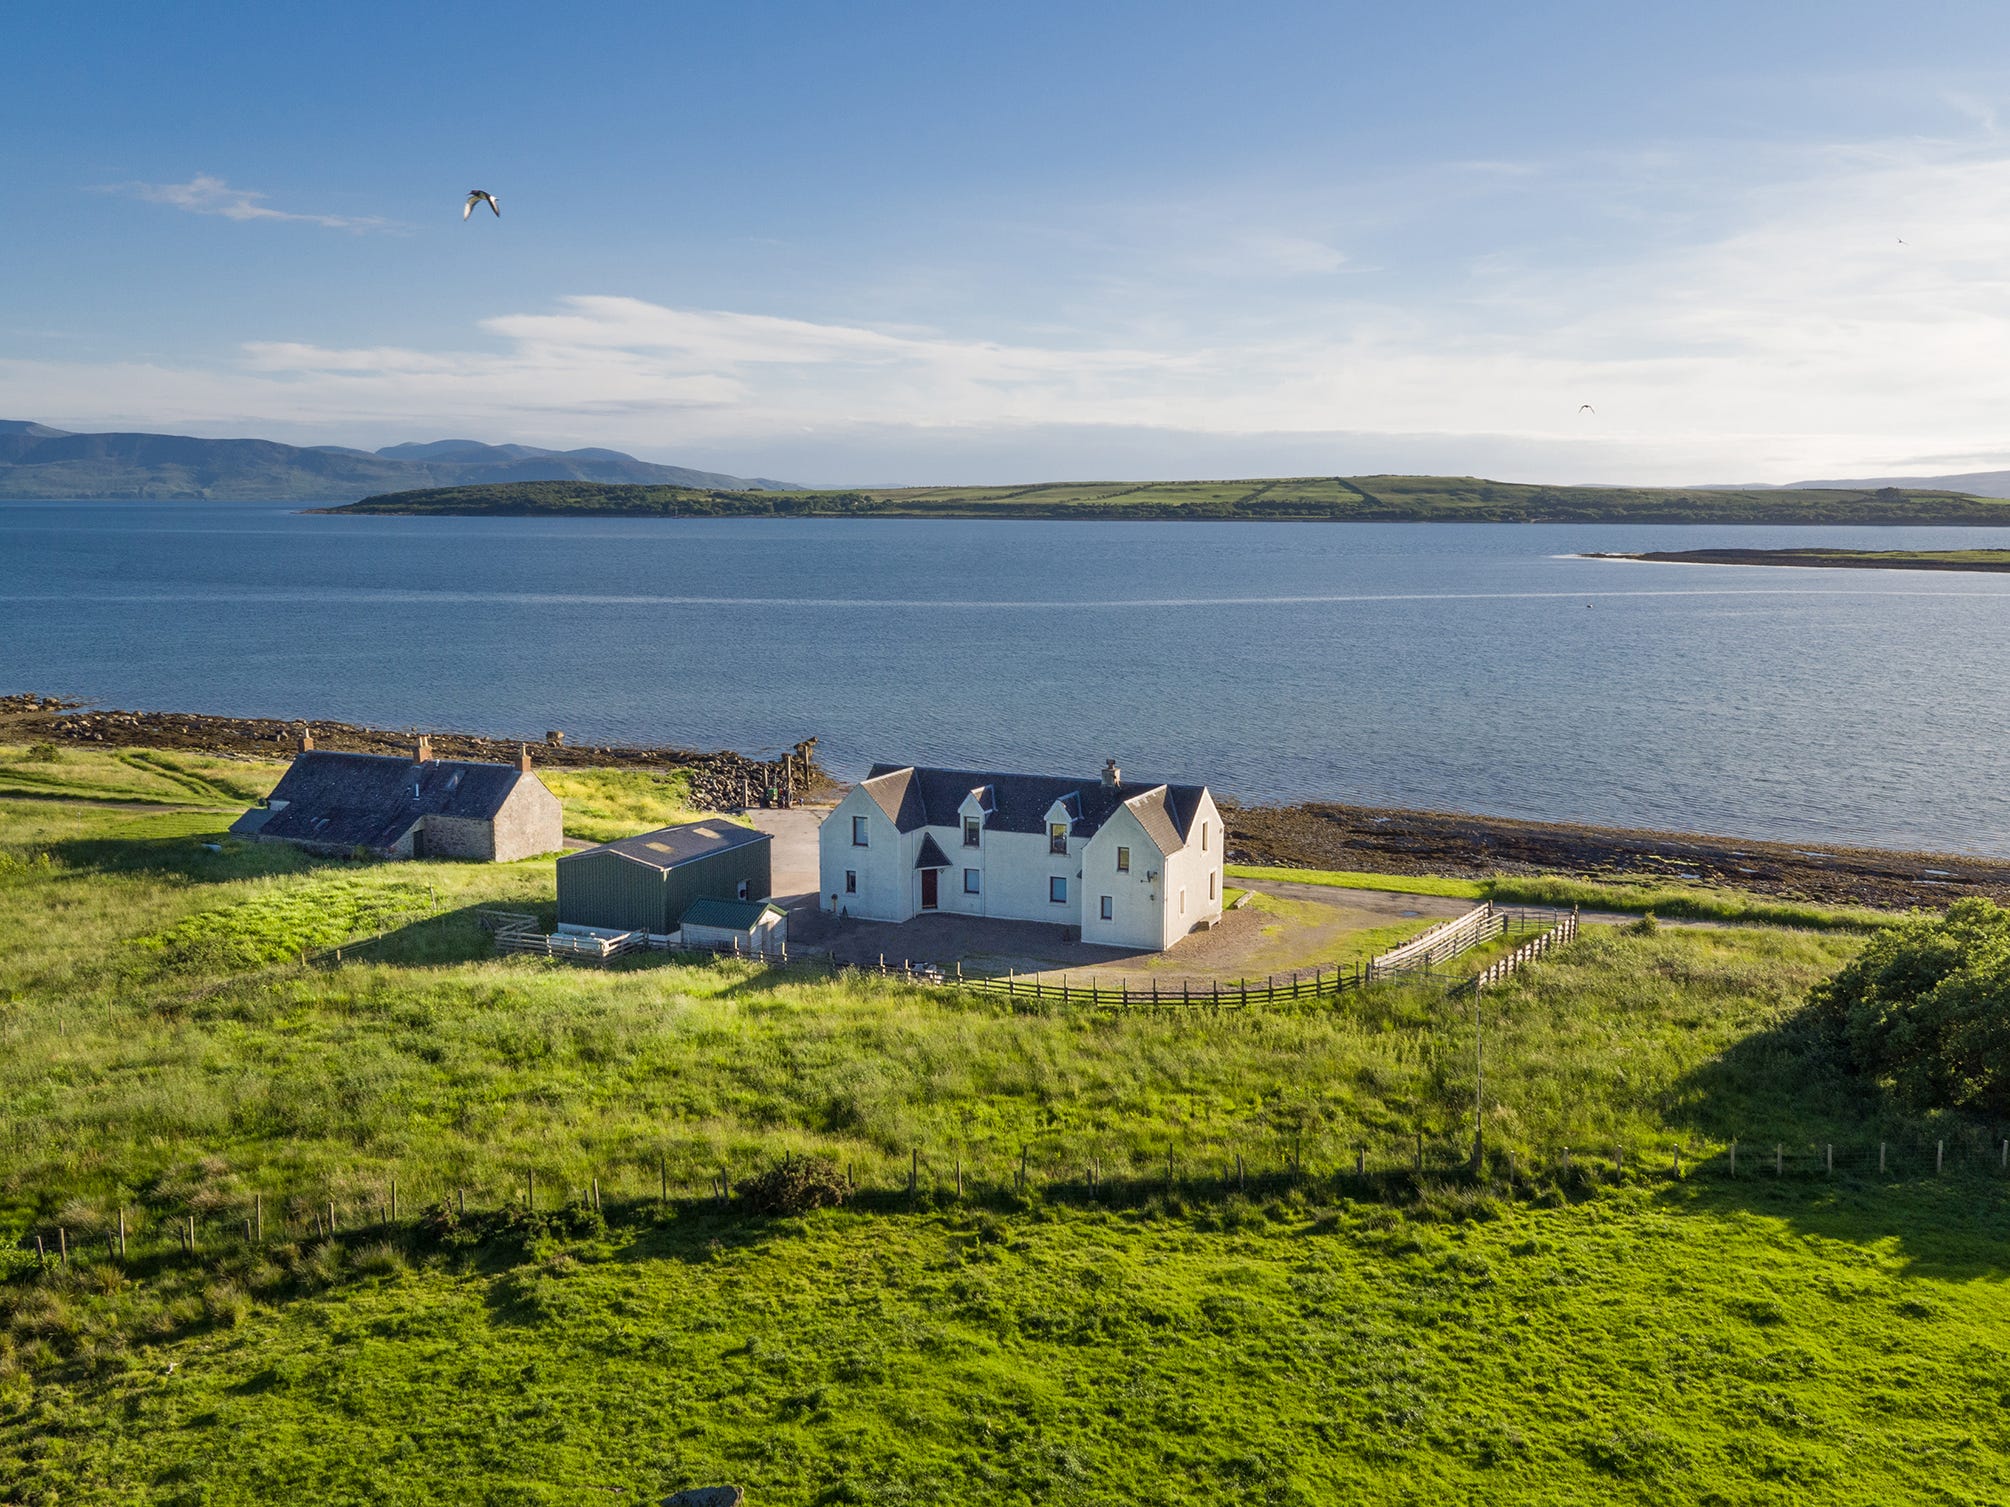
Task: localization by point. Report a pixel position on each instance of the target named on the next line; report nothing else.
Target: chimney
(1112, 776)
(523, 758)
(307, 740)
(423, 752)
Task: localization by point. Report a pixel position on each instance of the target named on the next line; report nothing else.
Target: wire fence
(142, 1231)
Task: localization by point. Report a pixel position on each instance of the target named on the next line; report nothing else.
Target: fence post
(1880, 1158)
(1678, 1162)
(1831, 1159)
(1734, 1158)
(1566, 1161)
(1420, 1153)
(1939, 1156)
(122, 1232)
(913, 1170)
(1361, 1161)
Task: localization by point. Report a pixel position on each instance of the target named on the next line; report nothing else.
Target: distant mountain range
(40, 462)
(1974, 483)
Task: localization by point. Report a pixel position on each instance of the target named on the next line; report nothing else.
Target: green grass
(1350, 879)
(603, 804)
(1683, 902)
(152, 776)
(162, 1050)
(1695, 1345)
(1305, 498)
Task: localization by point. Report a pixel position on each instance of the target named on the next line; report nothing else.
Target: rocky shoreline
(1327, 835)
(1318, 834)
(717, 779)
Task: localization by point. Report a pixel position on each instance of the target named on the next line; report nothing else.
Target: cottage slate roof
(931, 855)
(733, 915)
(354, 800)
(669, 846)
(916, 797)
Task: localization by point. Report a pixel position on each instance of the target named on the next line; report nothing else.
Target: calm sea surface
(1472, 667)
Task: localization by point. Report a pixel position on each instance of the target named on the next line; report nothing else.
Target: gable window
(972, 830)
(1123, 860)
(1057, 837)
(1203, 837)
(1057, 890)
(1182, 900)
(858, 831)
(971, 881)
(851, 881)
(1210, 886)
(1109, 907)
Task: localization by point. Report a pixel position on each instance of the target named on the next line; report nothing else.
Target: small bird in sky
(480, 196)
(1586, 408)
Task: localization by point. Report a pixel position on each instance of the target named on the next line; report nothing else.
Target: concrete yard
(1285, 927)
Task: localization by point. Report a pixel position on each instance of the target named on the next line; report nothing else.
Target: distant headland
(1830, 559)
(1336, 499)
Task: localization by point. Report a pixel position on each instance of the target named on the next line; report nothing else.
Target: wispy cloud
(1777, 329)
(207, 195)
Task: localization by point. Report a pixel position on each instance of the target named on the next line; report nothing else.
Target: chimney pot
(523, 758)
(423, 753)
(307, 740)
(1112, 776)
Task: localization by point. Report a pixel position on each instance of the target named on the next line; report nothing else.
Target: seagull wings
(480, 196)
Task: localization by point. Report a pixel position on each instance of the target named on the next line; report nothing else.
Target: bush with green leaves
(1924, 1009)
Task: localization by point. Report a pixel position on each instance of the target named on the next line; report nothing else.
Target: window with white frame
(1109, 911)
(973, 829)
(1057, 890)
(851, 881)
(1057, 837)
(1123, 860)
(858, 832)
(971, 881)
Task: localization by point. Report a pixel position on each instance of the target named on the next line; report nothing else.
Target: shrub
(1924, 1009)
(795, 1187)
(42, 753)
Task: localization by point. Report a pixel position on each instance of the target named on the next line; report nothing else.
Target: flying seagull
(1581, 408)
(480, 196)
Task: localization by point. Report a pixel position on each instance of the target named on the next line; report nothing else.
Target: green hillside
(1590, 1327)
(1319, 499)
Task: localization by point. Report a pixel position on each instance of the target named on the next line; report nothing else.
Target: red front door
(928, 878)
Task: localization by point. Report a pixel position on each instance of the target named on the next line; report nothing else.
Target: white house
(1132, 865)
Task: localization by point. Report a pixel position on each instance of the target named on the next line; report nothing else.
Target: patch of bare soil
(1324, 835)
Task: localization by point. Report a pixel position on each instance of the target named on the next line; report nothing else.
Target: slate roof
(353, 800)
(670, 846)
(916, 797)
(733, 915)
(931, 855)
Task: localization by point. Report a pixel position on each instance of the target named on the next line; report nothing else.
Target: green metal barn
(647, 882)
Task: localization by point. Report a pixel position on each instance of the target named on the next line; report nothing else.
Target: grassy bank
(1317, 1338)
(1683, 902)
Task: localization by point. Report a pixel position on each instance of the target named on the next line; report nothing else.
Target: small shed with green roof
(755, 926)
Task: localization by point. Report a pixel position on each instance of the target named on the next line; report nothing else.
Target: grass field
(1313, 1338)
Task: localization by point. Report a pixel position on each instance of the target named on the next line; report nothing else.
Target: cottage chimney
(523, 758)
(1112, 776)
(306, 740)
(423, 752)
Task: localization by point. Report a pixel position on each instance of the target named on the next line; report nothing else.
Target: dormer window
(1057, 837)
(973, 831)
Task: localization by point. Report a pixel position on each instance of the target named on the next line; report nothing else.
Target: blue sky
(915, 243)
